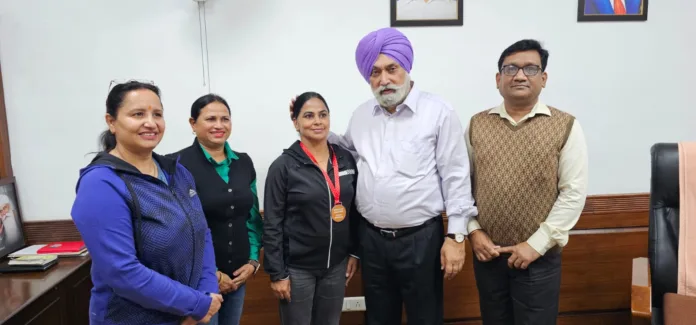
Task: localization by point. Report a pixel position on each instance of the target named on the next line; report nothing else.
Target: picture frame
(425, 13)
(12, 235)
(603, 11)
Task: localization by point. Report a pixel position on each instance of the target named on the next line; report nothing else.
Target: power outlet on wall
(354, 304)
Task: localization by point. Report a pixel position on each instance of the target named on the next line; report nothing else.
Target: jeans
(231, 310)
(316, 296)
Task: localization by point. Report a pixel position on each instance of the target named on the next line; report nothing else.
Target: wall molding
(626, 210)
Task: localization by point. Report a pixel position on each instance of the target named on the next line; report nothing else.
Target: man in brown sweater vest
(529, 167)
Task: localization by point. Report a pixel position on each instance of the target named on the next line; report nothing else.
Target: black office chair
(656, 287)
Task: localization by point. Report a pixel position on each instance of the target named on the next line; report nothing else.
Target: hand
(242, 274)
(226, 284)
(353, 265)
(522, 255)
(215, 304)
(189, 321)
(281, 289)
(452, 257)
(483, 246)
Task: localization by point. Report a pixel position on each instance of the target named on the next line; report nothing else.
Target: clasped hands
(215, 304)
(521, 255)
(228, 284)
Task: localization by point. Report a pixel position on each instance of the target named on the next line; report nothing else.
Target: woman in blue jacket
(142, 222)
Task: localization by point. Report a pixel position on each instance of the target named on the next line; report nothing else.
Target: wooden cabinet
(58, 296)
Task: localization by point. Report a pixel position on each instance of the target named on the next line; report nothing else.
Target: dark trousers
(520, 297)
(316, 297)
(403, 271)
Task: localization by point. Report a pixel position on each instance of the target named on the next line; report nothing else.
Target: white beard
(395, 98)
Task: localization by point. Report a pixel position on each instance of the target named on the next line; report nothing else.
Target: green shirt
(254, 222)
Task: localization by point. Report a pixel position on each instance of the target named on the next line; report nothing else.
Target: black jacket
(298, 229)
(226, 206)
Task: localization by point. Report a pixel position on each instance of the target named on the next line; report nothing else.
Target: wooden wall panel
(615, 211)
(596, 277)
(596, 268)
(603, 318)
(5, 161)
(39, 232)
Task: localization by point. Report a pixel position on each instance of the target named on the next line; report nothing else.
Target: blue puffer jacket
(152, 258)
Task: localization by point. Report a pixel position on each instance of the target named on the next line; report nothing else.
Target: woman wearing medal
(310, 245)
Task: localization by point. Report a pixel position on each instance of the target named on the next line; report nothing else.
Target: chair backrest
(663, 238)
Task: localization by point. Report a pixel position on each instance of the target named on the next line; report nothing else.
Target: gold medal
(338, 213)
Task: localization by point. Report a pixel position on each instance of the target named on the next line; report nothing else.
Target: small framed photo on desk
(11, 226)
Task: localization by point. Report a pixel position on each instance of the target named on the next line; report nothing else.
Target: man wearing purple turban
(413, 166)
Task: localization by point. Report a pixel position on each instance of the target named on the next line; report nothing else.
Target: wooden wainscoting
(596, 274)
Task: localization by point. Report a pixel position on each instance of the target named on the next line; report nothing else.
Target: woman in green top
(226, 185)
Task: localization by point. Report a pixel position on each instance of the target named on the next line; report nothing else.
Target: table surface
(18, 290)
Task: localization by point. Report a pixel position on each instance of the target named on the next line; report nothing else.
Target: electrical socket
(354, 304)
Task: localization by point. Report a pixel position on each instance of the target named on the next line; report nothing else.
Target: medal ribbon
(336, 185)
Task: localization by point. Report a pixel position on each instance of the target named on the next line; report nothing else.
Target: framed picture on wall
(11, 226)
(612, 10)
(422, 13)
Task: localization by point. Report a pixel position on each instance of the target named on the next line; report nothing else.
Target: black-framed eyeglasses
(529, 70)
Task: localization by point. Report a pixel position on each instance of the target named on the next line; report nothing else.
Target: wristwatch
(458, 237)
(255, 264)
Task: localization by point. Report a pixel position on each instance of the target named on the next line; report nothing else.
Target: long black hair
(114, 100)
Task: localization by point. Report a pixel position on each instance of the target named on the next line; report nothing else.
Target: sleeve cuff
(202, 308)
(356, 256)
(457, 224)
(541, 242)
(473, 225)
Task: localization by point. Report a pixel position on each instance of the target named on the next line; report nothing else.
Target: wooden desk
(57, 296)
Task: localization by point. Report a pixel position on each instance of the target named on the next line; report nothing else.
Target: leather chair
(653, 293)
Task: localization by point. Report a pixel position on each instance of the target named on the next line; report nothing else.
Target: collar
(411, 102)
(228, 153)
(539, 108)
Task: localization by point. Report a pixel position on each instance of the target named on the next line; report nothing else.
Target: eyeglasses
(511, 70)
(115, 82)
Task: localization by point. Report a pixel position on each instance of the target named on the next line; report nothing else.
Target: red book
(62, 247)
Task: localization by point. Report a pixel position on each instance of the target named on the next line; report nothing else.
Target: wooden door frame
(5, 161)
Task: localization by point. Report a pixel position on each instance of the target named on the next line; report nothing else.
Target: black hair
(525, 45)
(114, 100)
(203, 101)
(304, 98)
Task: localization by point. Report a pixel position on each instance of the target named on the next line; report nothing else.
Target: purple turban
(387, 41)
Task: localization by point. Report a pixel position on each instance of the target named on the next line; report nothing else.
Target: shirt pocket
(410, 157)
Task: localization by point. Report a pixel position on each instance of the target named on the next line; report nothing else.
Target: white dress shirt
(572, 184)
(412, 164)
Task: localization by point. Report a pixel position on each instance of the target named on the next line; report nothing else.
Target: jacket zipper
(193, 231)
(328, 191)
(328, 261)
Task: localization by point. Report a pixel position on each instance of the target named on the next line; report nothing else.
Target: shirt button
(229, 190)
(230, 243)
(232, 207)
(229, 262)
(229, 225)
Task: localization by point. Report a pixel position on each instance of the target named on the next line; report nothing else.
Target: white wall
(628, 83)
